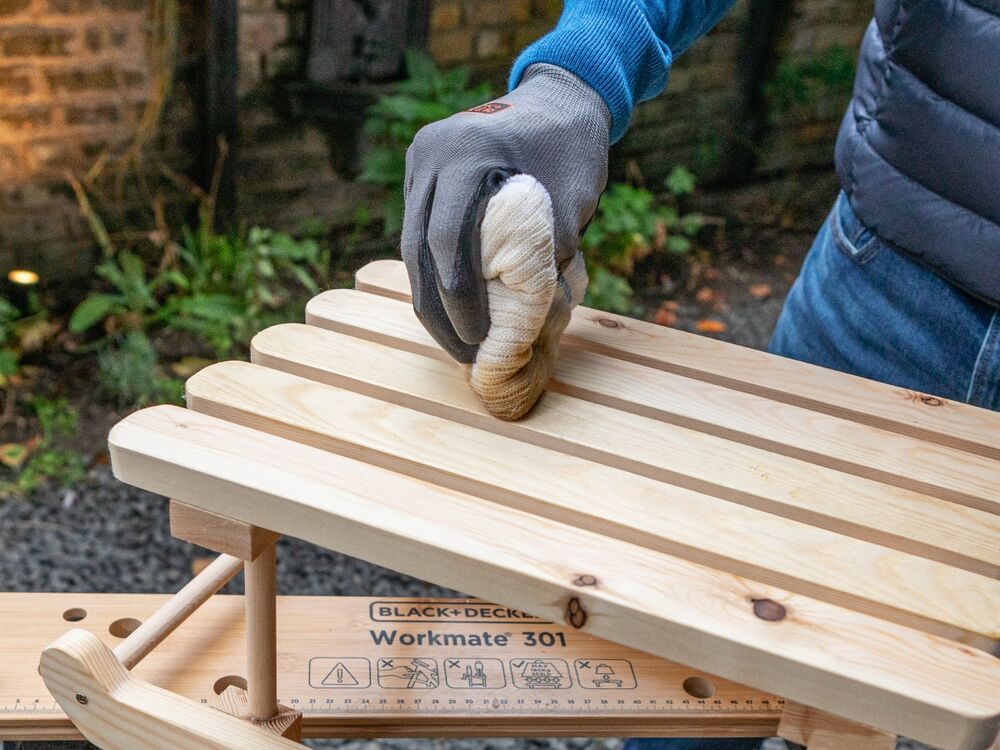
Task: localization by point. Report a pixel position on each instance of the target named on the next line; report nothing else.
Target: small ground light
(23, 276)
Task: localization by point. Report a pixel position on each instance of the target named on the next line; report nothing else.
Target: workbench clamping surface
(830, 542)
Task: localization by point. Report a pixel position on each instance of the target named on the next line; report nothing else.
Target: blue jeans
(861, 307)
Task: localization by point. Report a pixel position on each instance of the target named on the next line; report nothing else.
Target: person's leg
(861, 307)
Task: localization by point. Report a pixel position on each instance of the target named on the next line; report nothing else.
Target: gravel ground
(108, 537)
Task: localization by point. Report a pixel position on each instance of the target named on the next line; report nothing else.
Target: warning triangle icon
(339, 676)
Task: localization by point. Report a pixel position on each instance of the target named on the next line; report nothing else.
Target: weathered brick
(498, 12)
(33, 41)
(25, 118)
(101, 114)
(10, 161)
(446, 16)
(87, 79)
(15, 81)
(491, 43)
(54, 154)
(12, 7)
(451, 46)
(71, 7)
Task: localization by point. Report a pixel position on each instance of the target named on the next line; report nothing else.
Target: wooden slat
(609, 501)
(829, 392)
(841, 444)
(853, 665)
(703, 463)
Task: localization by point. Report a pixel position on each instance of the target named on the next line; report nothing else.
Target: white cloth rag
(529, 301)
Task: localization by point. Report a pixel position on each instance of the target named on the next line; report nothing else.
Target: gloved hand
(554, 127)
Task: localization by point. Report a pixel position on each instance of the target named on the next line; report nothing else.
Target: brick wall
(76, 74)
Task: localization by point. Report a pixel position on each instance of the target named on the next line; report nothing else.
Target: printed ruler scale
(358, 666)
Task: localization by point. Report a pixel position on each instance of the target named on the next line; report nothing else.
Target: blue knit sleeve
(622, 48)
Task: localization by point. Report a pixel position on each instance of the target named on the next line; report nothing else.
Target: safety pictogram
(339, 672)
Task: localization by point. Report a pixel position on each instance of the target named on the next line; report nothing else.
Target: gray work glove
(554, 127)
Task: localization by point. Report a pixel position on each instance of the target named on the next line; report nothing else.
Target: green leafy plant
(228, 286)
(425, 96)
(131, 304)
(130, 373)
(630, 224)
(45, 458)
(804, 84)
(9, 354)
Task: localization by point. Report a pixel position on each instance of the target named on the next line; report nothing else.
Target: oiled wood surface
(777, 524)
(744, 369)
(850, 663)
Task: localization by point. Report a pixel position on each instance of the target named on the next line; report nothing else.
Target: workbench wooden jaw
(818, 536)
(117, 711)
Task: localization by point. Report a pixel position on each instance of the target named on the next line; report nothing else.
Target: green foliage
(425, 96)
(630, 224)
(129, 373)
(9, 355)
(803, 84)
(220, 287)
(47, 458)
(132, 301)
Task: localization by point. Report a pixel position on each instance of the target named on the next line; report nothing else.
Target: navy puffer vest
(919, 149)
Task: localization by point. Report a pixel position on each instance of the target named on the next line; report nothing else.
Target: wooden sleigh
(830, 541)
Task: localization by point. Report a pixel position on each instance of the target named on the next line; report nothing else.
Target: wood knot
(585, 579)
(768, 609)
(576, 615)
(931, 400)
(609, 323)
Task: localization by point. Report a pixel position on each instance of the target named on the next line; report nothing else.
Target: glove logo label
(489, 108)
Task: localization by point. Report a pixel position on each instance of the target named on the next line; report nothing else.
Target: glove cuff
(566, 91)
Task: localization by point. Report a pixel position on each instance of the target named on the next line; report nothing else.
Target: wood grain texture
(217, 533)
(817, 730)
(117, 711)
(285, 722)
(858, 399)
(665, 453)
(311, 629)
(262, 628)
(854, 665)
(606, 500)
(910, 463)
(152, 632)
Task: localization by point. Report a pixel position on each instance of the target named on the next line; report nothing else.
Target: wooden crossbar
(816, 535)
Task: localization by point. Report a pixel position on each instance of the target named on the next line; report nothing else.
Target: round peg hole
(230, 680)
(74, 614)
(123, 627)
(698, 687)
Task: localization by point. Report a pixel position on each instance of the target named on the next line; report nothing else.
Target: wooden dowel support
(261, 616)
(165, 620)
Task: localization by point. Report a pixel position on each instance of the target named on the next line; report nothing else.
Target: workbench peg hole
(74, 614)
(698, 687)
(230, 680)
(123, 627)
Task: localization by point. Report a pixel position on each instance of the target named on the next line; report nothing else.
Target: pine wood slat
(859, 399)
(703, 463)
(841, 444)
(864, 668)
(577, 492)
